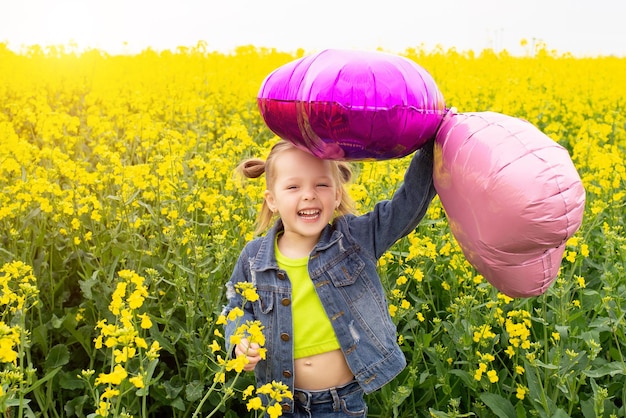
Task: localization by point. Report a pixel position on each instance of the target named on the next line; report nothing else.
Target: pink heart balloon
(352, 105)
(512, 196)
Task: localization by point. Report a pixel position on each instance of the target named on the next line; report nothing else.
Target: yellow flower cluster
(18, 294)
(272, 393)
(275, 392)
(251, 330)
(517, 326)
(124, 341)
(18, 288)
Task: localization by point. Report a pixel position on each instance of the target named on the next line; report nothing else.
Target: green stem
(544, 399)
(208, 393)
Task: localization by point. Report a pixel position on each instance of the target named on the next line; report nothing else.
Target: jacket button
(286, 407)
(285, 302)
(284, 336)
(281, 275)
(287, 374)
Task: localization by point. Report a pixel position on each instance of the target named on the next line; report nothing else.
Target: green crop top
(312, 331)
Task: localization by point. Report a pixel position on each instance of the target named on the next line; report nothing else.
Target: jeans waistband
(309, 397)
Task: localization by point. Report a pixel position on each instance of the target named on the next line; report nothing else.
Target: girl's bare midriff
(322, 371)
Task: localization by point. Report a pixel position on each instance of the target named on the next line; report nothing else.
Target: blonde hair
(341, 173)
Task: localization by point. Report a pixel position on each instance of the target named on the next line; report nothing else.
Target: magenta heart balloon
(512, 197)
(352, 105)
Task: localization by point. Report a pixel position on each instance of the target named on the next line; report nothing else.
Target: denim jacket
(342, 267)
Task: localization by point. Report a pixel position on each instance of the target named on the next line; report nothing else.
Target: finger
(240, 351)
(242, 347)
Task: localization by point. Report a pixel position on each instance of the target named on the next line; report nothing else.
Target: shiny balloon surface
(512, 197)
(352, 105)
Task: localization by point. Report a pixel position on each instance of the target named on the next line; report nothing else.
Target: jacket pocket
(347, 271)
(265, 304)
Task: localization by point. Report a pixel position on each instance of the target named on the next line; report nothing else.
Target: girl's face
(303, 193)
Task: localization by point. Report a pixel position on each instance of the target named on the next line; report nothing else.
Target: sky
(579, 27)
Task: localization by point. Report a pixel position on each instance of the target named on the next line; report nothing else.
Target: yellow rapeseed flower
(237, 364)
(219, 377)
(247, 290)
(109, 393)
(214, 346)
(146, 322)
(483, 332)
(7, 352)
(141, 343)
(115, 377)
(123, 355)
(103, 409)
(493, 376)
(137, 381)
(274, 410)
(247, 392)
(235, 313)
(254, 404)
(153, 353)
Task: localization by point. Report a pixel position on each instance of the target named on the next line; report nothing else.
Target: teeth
(308, 212)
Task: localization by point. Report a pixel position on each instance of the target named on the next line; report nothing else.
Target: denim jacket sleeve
(393, 219)
(241, 273)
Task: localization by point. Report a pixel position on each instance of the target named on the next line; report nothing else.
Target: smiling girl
(329, 335)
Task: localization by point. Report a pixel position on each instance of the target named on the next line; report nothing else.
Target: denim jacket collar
(266, 257)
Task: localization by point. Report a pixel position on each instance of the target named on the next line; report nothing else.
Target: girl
(329, 335)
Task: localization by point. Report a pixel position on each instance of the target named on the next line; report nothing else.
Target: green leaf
(58, 356)
(173, 387)
(76, 405)
(586, 407)
(499, 405)
(86, 285)
(178, 404)
(399, 395)
(70, 380)
(56, 321)
(548, 366)
(39, 336)
(145, 391)
(193, 390)
(610, 369)
(49, 375)
(437, 414)
(468, 380)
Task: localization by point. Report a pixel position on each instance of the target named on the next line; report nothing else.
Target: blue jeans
(340, 401)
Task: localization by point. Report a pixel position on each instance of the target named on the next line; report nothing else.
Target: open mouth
(309, 214)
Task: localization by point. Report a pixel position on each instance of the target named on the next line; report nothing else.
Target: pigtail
(251, 168)
(345, 171)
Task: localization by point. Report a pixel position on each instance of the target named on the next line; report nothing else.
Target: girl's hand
(251, 351)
